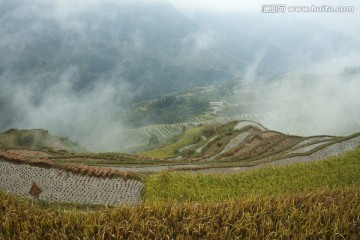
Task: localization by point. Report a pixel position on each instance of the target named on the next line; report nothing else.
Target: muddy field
(62, 186)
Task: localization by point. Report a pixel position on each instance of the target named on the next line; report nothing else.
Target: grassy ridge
(169, 151)
(330, 214)
(335, 172)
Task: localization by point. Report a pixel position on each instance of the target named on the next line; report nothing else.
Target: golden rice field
(187, 187)
(330, 214)
(313, 200)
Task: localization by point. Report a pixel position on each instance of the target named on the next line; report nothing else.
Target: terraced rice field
(329, 151)
(301, 156)
(307, 148)
(203, 146)
(312, 140)
(232, 144)
(62, 186)
(130, 140)
(272, 148)
(125, 140)
(235, 141)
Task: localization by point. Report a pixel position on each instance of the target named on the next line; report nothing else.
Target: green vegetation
(165, 110)
(329, 214)
(336, 172)
(25, 141)
(37, 139)
(315, 200)
(190, 137)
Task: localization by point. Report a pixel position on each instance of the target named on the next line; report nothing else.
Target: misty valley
(177, 120)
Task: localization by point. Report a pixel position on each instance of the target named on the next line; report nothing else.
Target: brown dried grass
(97, 171)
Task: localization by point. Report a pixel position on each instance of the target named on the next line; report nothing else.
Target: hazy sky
(348, 23)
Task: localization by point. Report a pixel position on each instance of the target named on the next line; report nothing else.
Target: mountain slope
(37, 139)
(87, 62)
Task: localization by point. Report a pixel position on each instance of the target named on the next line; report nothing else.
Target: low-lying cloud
(319, 100)
(86, 116)
(74, 66)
